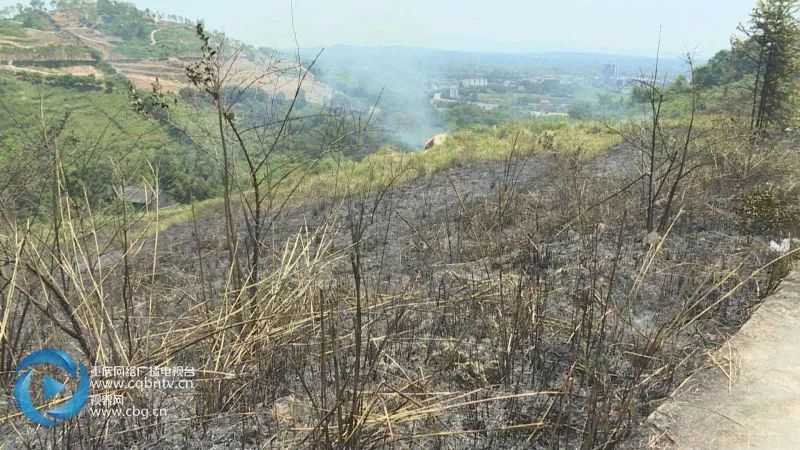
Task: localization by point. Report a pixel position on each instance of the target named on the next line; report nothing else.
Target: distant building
(546, 106)
(610, 72)
(454, 95)
(145, 197)
(548, 114)
(474, 82)
(632, 81)
(551, 81)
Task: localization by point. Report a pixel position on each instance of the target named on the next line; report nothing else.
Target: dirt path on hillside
(63, 24)
(86, 38)
(16, 44)
(153, 37)
(11, 67)
(750, 397)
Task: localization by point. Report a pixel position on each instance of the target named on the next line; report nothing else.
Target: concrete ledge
(751, 398)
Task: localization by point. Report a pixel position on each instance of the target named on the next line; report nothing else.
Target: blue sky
(610, 26)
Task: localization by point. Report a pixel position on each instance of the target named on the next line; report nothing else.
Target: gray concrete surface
(750, 396)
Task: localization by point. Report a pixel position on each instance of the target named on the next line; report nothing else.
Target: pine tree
(773, 42)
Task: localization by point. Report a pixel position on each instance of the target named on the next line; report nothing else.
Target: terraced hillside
(45, 49)
(72, 69)
(74, 42)
(170, 46)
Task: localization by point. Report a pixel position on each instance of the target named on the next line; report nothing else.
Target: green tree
(580, 110)
(772, 41)
(680, 85)
(726, 66)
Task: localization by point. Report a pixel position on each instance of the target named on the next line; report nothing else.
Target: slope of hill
(541, 284)
(83, 60)
(45, 49)
(85, 41)
(163, 49)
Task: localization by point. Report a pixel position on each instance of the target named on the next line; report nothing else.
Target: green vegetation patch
(11, 28)
(481, 144)
(34, 18)
(171, 41)
(47, 52)
(100, 136)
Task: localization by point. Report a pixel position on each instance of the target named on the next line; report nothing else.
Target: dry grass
(500, 332)
(463, 148)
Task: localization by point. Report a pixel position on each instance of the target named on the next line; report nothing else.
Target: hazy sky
(613, 26)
